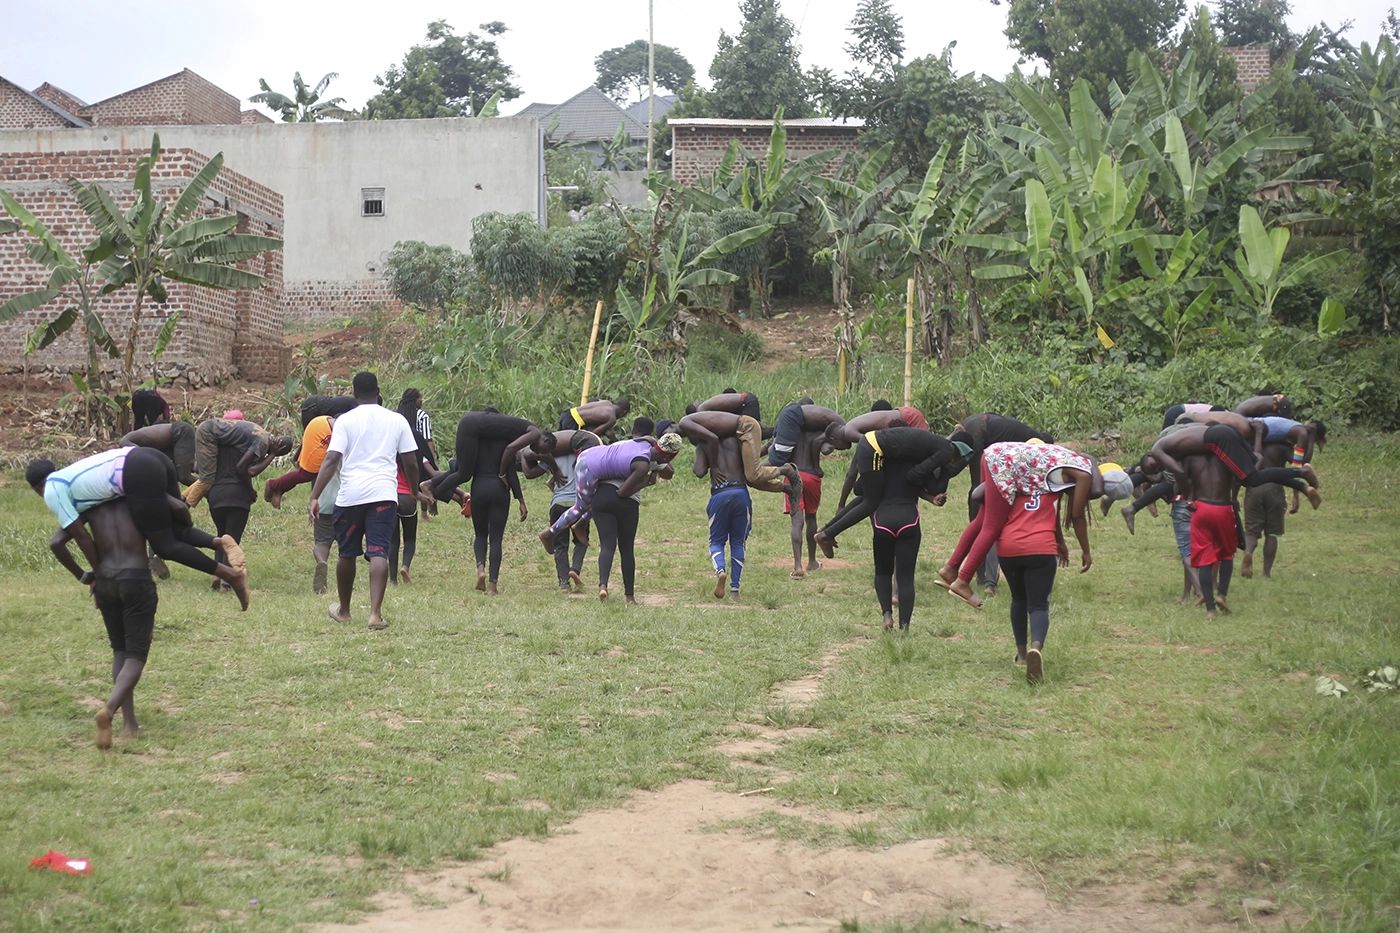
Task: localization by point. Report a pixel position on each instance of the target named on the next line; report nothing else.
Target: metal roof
(588, 115)
(664, 103)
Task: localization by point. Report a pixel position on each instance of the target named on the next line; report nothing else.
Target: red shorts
(811, 494)
(1212, 534)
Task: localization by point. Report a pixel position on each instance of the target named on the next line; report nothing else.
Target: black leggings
(895, 559)
(872, 483)
(148, 479)
(490, 513)
(408, 522)
(561, 545)
(231, 521)
(1156, 493)
(616, 520)
(1030, 578)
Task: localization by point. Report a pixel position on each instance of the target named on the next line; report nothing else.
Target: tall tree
(1091, 40)
(878, 34)
(305, 105)
(449, 76)
(757, 72)
(622, 72)
(1254, 22)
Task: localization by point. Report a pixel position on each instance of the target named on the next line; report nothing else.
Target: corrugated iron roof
(588, 115)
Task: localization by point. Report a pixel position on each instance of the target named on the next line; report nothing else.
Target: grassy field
(291, 767)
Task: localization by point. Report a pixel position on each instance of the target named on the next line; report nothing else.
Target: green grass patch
(291, 767)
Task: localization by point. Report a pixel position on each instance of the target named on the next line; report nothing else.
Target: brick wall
(20, 111)
(255, 116)
(182, 99)
(59, 97)
(697, 151)
(1252, 64)
(217, 328)
(326, 302)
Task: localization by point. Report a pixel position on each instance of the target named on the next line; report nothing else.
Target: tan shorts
(1264, 510)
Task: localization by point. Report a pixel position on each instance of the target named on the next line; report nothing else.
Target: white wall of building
(437, 176)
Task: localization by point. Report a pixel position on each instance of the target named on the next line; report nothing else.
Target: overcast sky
(97, 48)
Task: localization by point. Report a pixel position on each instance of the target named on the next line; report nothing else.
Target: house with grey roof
(587, 119)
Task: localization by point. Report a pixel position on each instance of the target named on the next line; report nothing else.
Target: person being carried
(802, 415)
(736, 403)
(1259, 406)
(1173, 412)
(617, 516)
(175, 439)
(882, 415)
(555, 454)
(1009, 469)
(146, 477)
(126, 596)
(705, 428)
(730, 510)
(979, 432)
(367, 448)
(599, 416)
(254, 443)
(315, 441)
(1225, 443)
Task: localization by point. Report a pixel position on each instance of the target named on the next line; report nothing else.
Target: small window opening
(372, 202)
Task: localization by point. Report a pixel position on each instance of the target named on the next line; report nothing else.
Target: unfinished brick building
(220, 332)
(698, 144)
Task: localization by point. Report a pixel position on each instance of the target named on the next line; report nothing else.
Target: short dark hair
(691, 409)
(882, 404)
(547, 441)
(622, 405)
(488, 410)
(366, 385)
(804, 400)
(729, 391)
(37, 472)
(1321, 431)
(643, 426)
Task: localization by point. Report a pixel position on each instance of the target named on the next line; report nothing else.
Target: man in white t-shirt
(368, 445)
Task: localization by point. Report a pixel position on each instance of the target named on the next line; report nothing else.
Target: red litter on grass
(57, 861)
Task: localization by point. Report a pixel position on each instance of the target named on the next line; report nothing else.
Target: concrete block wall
(212, 322)
(1253, 64)
(333, 302)
(698, 151)
(181, 99)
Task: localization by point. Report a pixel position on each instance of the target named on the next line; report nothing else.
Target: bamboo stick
(909, 344)
(592, 342)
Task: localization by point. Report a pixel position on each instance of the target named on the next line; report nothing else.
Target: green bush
(432, 277)
(714, 349)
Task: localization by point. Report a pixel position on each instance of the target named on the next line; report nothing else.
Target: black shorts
(127, 600)
(182, 445)
(748, 406)
(367, 528)
(787, 432)
(1230, 449)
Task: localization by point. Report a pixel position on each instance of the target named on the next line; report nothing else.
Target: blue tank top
(1278, 428)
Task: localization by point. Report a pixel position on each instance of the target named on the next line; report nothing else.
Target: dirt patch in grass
(648, 865)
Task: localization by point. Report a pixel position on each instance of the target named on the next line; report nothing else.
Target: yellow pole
(592, 342)
(909, 344)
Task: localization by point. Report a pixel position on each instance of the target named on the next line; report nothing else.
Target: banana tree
(852, 201)
(1260, 272)
(1182, 266)
(141, 248)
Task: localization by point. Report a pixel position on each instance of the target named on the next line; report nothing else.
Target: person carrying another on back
(1286, 442)
(253, 442)
(730, 511)
(367, 447)
(598, 416)
(315, 441)
(555, 454)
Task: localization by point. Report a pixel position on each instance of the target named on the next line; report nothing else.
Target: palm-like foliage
(305, 105)
(140, 248)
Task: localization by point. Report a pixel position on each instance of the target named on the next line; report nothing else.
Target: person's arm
(329, 467)
(531, 465)
(1309, 438)
(179, 511)
(920, 473)
(1061, 548)
(636, 479)
(59, 545)
(248, 467)
(702, 463)
(1168, 462)
(1259, 429)
(78, 533)
(608, 427)
(527, 439)
(700, 434)
(1079, 502)
(851, 474)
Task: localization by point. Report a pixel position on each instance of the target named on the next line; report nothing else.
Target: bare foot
(333, 610)
(827, 545)
(481, 577)
(1200, 600)
(232, 552)
(947, 576)
(1210, 615)
(129, 731)
(1186, 598)
(403, 575)
(158, 568)
(1035, 667)
(989, 591)
(215, 584)
(1222, 605)
(798, 574)
(1128, 516)
(602, 594)
(104, 729)
(1020, 657)
(575, 579)
(1152, 509)
(720, 580)
(491, 589)
(1314, 496)
(378, 625)
(813, 565)
(1104, 505)
(962, 590)
(631, 600)
(547, 539)
(889, 621)
(273, 498)
(733, 594)
(1309, 474)
(1247, 566)
(240, 588)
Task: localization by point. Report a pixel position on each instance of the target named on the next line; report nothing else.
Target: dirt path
(658, 863)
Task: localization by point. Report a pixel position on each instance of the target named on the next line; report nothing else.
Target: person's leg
(873, 490)
(481, 540)
(561, 547)
(740, 525)
(812, 562)
(1014, 570)
(1181, 529)
(350, 541)
(279, 486)
(380, 519)
(107, 597)
(1270, 553)
(1040, 580)
(409, 524)
(716, 512)
(323, 535)
(1206, 576)
(580, 537)
(987, 575)
(235, 523)
(500, 515)
(628, 517)
(606, 524)
(882, 553)
(787, 432)
(206, 461)
(586, 484)
(906, 559)
(1159, 491)
(761, 476)
(394, 553)
(995, 511)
